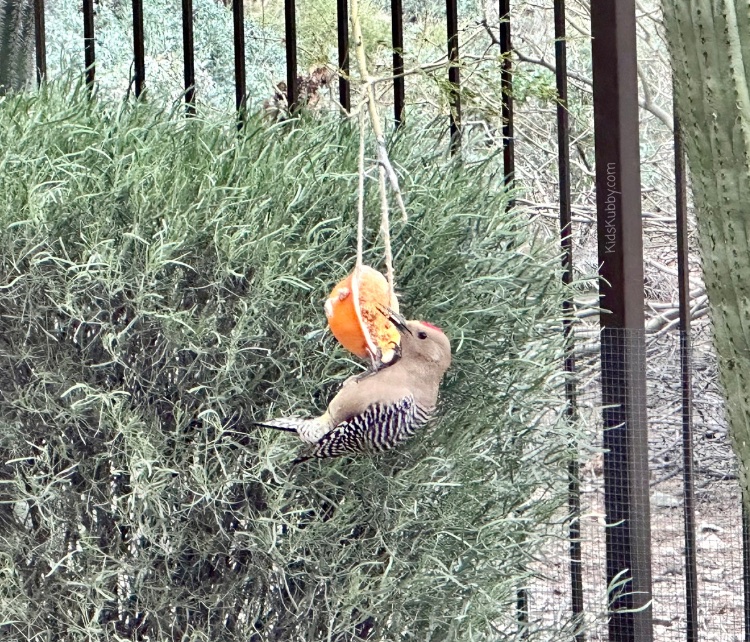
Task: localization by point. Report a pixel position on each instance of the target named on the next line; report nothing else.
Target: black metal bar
(574, 535)
(683, 278)
(454, 77)
(566, 242)
(240, 91)
(506, 88)
(522, 609)
(397, 39)
(342, 26)
(188, 55)
(138, 48)
(290, 34)
(88, 42)
(619, 227)
(40, 41)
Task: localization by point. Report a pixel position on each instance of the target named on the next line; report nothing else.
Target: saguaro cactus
(709, 42)
(16, 44)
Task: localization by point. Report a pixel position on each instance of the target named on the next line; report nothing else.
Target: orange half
(375, 336)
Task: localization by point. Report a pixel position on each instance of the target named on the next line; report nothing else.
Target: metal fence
(623, 535)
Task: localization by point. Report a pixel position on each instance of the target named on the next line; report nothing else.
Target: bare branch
(645, 103)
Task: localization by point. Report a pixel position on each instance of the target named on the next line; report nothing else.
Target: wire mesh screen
(717, 506)
(718, 522)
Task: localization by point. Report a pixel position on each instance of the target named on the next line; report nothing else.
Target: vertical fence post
(342, 27)
(619, 228)
(188, 55)
(40, 41)
(566, 242)
(290, 35)
(683, 277)
(397, 41)
(454, 77)
(138, 49)
(88, 42)
(240, 90)
(506, 88)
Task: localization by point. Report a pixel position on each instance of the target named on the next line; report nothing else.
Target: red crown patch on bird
(431, 325)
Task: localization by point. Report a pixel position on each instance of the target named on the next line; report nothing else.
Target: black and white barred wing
(380, 427)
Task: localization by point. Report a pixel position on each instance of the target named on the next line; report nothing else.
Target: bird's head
(423, 341)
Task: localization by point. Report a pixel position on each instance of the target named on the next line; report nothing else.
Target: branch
(645, 103)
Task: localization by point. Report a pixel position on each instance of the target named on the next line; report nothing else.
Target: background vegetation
(16, 45)
(161, 275)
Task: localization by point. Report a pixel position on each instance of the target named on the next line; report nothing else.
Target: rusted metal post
(619, 226)
(88, 42)
(138, 48)
(188, 55)
(290, 36)
(397, 40)
(506, 88)
(40, 41)
(342, 27)
(454, 77)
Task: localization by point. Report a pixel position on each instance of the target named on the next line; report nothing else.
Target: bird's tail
(237, 423)
(287, 425)
(308, 430)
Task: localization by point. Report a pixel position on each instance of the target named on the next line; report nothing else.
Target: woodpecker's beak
(396, 319)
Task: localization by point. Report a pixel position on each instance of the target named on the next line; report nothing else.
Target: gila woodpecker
(376, 411)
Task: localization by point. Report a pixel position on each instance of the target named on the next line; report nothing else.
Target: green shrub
(17, 62)
(161, 274)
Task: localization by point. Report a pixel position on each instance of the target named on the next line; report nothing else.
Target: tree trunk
(16, 44)
(709, 43)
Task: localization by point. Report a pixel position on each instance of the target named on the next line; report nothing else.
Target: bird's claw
(381, 360)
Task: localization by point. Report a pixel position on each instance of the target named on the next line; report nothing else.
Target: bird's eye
(422, 334)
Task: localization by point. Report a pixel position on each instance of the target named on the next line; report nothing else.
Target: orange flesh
(343, 321)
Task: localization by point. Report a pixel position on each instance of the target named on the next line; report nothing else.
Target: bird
(371, 333)
(381, 410)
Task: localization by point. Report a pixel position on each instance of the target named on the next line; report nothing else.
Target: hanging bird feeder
(360, 306)
(357, 316)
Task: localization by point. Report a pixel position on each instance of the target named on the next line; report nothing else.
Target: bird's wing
(380, 427)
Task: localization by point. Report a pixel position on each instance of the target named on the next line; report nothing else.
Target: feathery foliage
(160, 274)
(16, 44)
